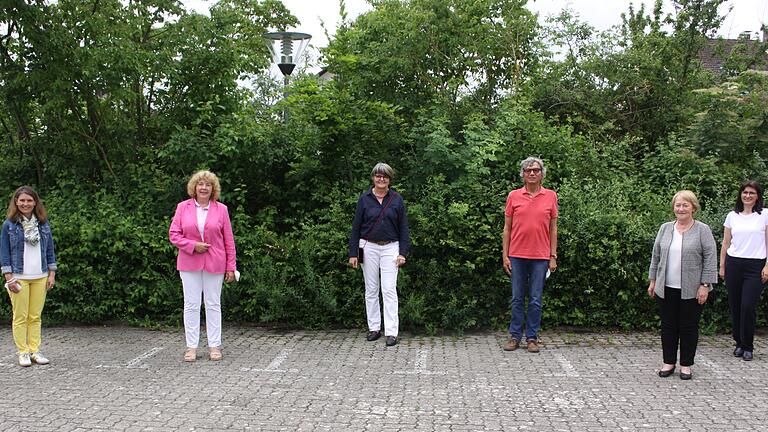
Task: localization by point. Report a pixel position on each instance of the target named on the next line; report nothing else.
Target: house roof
(717, 53)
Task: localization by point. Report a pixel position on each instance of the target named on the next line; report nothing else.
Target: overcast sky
(746, 15)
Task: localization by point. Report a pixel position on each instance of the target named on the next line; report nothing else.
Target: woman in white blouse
(743, 264)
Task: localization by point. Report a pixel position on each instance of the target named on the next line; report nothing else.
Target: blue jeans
(527, 276)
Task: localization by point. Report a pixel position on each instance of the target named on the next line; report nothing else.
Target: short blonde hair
(689, 196)
(204, 175)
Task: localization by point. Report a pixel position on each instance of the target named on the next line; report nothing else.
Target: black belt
(381, 242)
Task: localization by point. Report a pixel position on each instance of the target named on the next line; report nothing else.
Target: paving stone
(128, 379)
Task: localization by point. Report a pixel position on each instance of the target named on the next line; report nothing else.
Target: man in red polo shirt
(529, 246)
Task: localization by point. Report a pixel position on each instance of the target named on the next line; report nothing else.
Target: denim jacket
(12, 248)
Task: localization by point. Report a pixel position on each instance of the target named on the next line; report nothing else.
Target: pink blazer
(220, 256)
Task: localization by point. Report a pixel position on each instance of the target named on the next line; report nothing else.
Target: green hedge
(117, 264)
(115, 261)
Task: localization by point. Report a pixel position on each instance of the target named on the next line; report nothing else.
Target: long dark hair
(739, 207)
(14, 214)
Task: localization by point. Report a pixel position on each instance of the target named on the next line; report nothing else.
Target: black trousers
(679, 325)
(742, 279)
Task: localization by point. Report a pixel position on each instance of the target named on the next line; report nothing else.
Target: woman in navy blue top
(380, 232)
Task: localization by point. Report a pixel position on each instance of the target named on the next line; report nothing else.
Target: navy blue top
(393, 225)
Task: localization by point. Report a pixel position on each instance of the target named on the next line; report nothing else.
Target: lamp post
(286, 48)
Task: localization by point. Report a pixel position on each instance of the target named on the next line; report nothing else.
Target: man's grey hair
(530, 161)
(383, 169)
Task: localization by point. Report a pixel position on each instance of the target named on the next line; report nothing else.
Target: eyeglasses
(380, 176)
(532, 170)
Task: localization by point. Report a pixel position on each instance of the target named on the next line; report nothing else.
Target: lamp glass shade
(286, 48)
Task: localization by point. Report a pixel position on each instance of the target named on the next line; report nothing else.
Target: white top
(747, 234)
(202, 213)
(674, 273)
(33, 266)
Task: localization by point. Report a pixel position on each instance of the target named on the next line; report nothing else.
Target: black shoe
(747, 355)
(738, 352)
(391, 340)
(373, 335)
(686, 376)
(666, 373)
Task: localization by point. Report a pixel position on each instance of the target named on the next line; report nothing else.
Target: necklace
(683, 228)
(379, 196)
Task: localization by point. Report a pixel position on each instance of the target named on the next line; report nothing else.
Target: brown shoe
(512, 345)
(214, 353)
(533, 346)
(190, 355)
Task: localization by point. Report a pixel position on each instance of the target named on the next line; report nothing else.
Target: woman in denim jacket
(29, 266)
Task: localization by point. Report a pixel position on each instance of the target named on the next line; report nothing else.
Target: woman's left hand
(400, 261)
(764, 274)
(51, 281)
(229, 276)
(702, 294)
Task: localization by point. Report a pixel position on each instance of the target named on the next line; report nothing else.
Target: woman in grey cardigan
(683, 269)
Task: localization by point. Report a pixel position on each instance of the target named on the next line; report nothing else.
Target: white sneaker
(39, 358)
(24, 360)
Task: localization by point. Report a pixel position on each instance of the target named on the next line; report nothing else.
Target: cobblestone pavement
(127, 379)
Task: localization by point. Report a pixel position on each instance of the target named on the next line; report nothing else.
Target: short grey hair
(383, 169)
(530, 161)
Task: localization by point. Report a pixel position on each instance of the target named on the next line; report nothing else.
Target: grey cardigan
(699, 259)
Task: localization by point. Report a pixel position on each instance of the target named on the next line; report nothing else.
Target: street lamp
(286, 48)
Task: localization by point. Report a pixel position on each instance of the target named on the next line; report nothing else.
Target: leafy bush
(617, 121)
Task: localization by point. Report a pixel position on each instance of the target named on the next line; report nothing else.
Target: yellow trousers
(27, 310)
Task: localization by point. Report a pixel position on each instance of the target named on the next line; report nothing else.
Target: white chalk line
(420, 366)
(135, 363)
(274, 365)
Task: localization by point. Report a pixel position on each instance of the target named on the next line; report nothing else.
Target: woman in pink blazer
(203, 233)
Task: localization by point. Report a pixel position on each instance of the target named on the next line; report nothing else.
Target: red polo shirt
(530, 222)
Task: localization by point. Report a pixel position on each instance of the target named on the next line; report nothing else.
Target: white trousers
(380, 271)
(199, 284)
